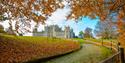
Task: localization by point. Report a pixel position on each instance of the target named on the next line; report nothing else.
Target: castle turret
(67, 32)
(54, 30)
(35, 29)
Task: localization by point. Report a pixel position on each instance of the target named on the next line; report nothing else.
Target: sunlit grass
(100, 40)
(25, 48)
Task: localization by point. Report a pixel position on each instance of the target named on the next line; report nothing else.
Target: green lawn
(100, 40)
(79, 40)
(26, 48)
(21, 49)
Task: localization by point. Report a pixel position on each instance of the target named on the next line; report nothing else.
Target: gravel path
(87, 54)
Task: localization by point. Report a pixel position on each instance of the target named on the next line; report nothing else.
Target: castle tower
(54, 31)
(67, 32)
(35, 31)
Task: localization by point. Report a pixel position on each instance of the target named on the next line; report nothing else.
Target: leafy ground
(89, 53)
(15, 49)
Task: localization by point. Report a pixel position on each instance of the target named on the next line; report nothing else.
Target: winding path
(87, 54)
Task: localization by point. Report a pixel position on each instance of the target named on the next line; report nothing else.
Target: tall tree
(37, 10)
(81, 34)
(121, 30)
(29, 8)
(88, 33)
(106, 30)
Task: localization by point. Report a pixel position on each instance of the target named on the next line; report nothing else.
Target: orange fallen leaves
(17, 50)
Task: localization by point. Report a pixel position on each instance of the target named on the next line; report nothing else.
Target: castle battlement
(55, 31)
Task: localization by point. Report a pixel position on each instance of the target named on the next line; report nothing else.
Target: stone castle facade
(55, 31)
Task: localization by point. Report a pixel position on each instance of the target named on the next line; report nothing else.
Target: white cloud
(5, 24)
(59, 16)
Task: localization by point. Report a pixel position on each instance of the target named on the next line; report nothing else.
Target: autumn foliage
(28, 8)
(15, 49)
(121, 30)
(92, 8)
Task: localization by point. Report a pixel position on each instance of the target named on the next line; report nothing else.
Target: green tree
(81, 34)
(1, 29)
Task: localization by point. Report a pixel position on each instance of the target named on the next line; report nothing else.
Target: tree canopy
(29, 8)
(106, 30)
(88, 33)
(92, 8)
(81, 34)
(40, 10)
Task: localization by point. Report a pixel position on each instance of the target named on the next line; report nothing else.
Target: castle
(55, 31)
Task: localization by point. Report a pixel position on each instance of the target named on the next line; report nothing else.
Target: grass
(79, 40)
(106, 52)
(100, 40)
(97, 53)
(89, 53)
(16, 49)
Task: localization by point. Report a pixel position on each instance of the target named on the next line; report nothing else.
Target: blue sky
(81, 25)
(59, 18)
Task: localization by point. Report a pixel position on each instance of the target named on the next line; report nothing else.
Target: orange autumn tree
(79, 8)
(121, 30)
(27, 9)
(103, 9)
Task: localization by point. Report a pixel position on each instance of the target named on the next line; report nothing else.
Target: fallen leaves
(18, 49)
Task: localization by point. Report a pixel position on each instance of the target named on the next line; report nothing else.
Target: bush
(1, 29)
